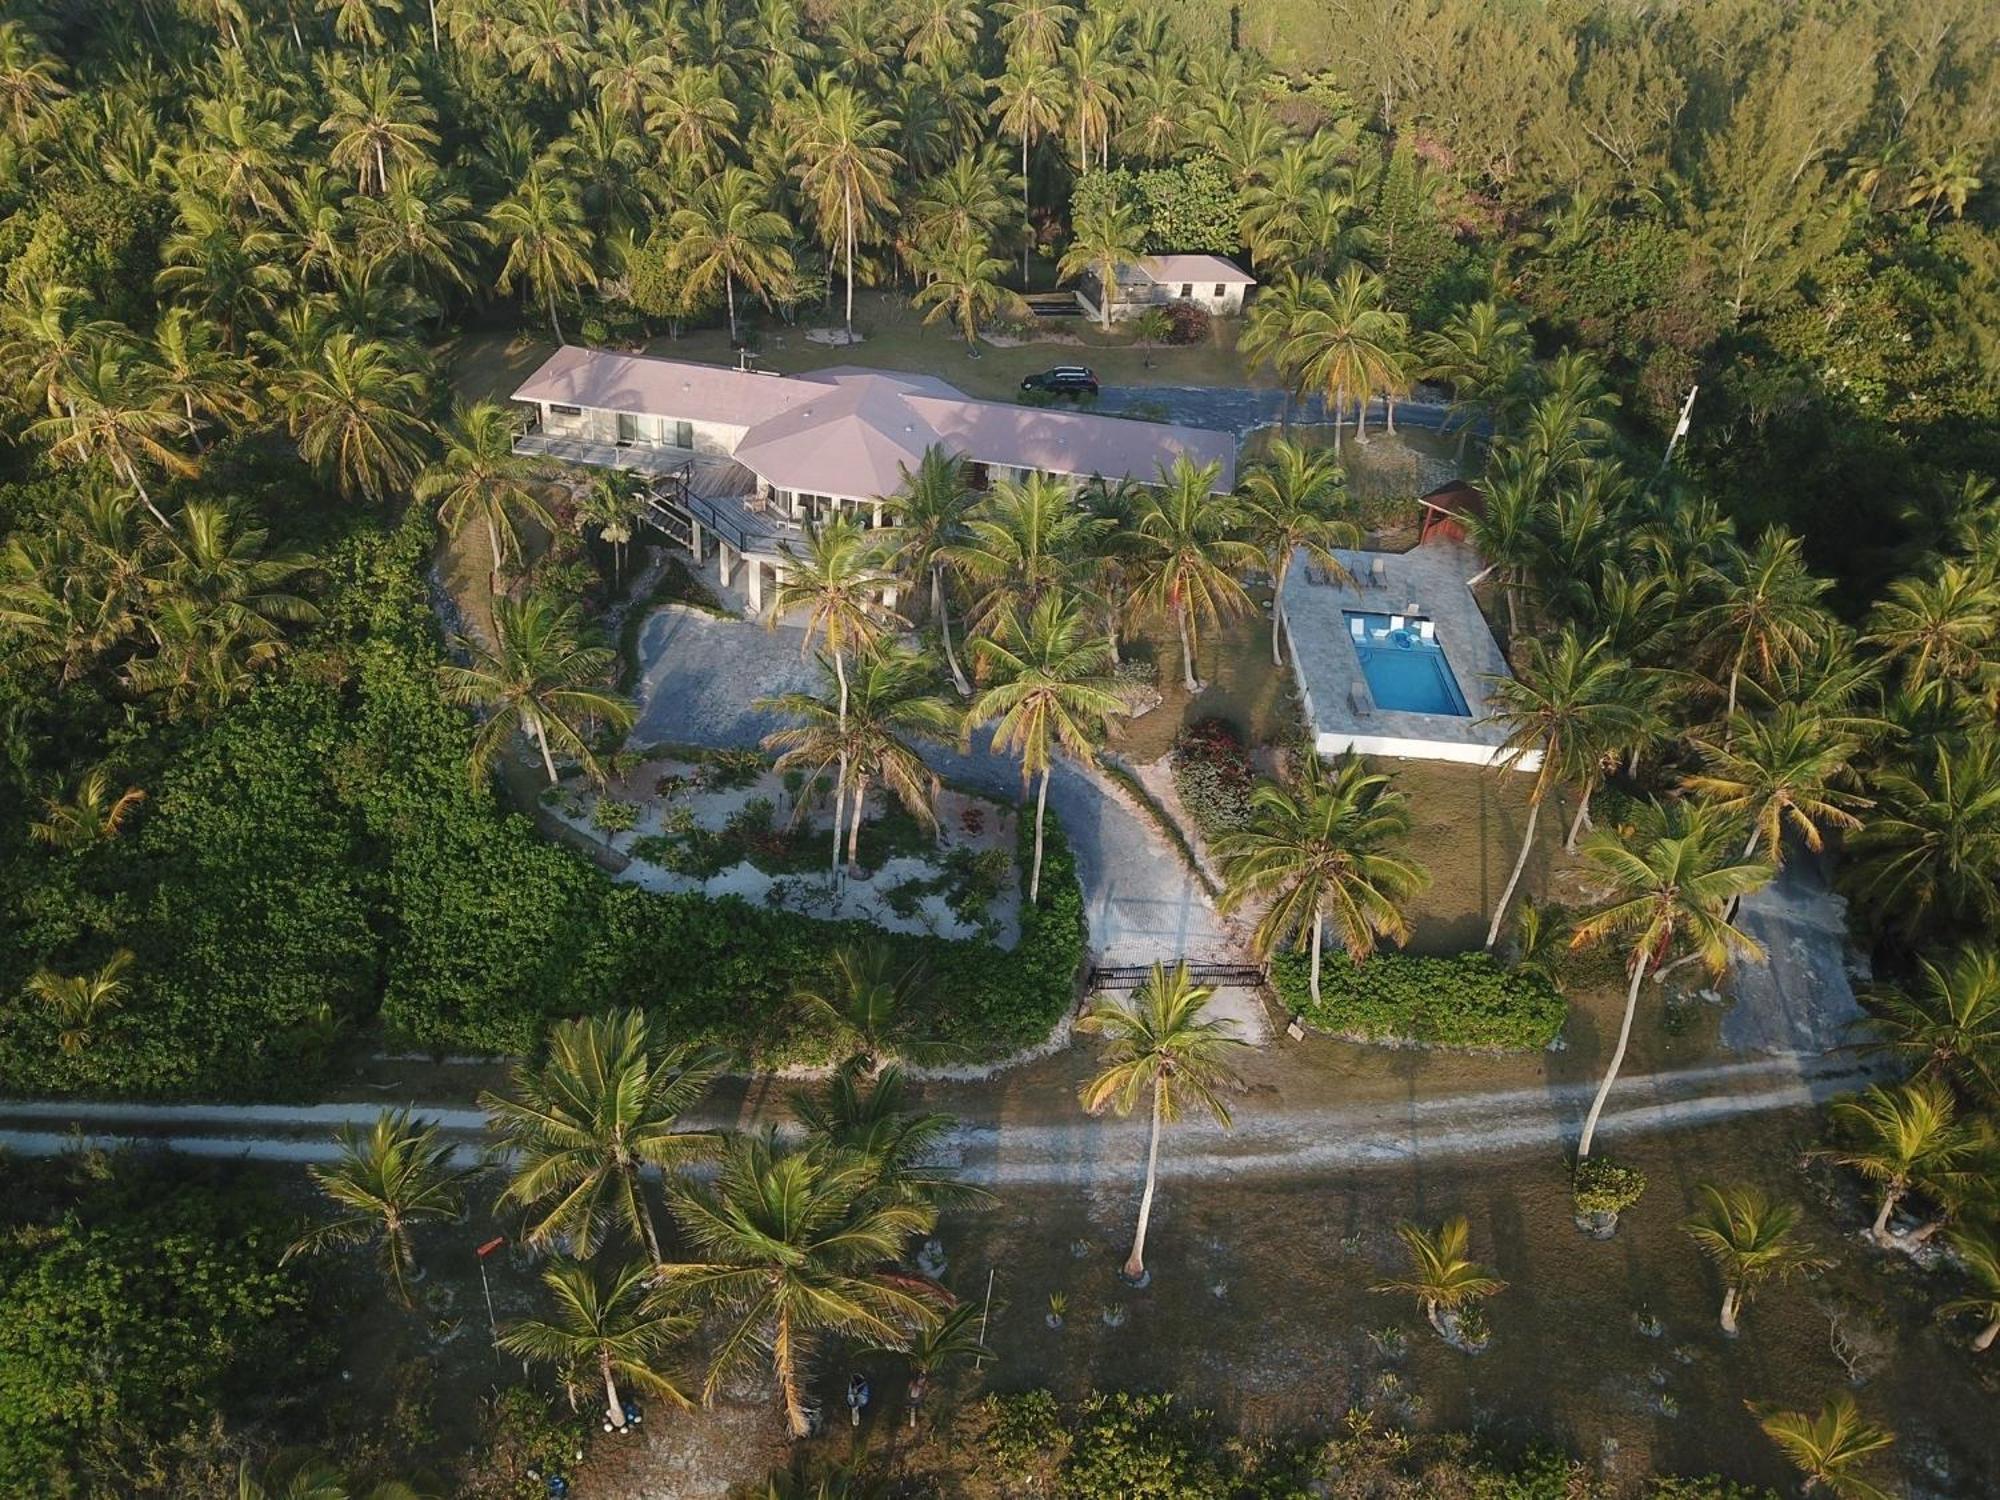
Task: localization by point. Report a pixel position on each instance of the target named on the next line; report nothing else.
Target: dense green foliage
(1464, 1000)
(134, 1303)
(1115, 1445)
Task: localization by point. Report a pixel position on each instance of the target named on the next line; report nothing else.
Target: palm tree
(964, 287)
(1287, 502)
(352, 407)
(376, 122)
(1950, 1026)
(1159, 1042)
(385, 1184)
(729, 230)
(693, 120)
(1673, 879)
(540, 678)
(112, 410)
(1783, 771)
(30, 81)
(187, 365)
(1345, 343)
(91, 816)
(1942, 629)
(865, 998)
(1029, 99)
(890, 710)
(1751, 1241)
(1443, 1278)
(871, 1119)
(838, 580)
(1050, 694)
(547, 240)
(845, 171)
(1484, 354)
(1930, 853)
(1507, 530)
(1187, 556)
(1026, 539)
(1909, 1139)
(287, 1478)
(1978, 1250)
(481, 478)
(1769, 615)
(603, 1106)
(1270, 337)
(1320, 850)
(1107, 237)
(233, 583)
(1827, 1448)
(80, 1001)
(1562, 710)
(792, 1246)
(955, 1336)
(929, 514)
(613, 1324)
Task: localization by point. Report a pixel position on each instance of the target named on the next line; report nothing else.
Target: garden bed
(1467, 1000)
(729, 825)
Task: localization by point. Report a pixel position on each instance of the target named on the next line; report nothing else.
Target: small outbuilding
(1449, 511)
(1206, 281)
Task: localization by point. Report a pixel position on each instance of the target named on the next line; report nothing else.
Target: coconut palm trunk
(940, 607)
(854, 826)
(1732, 1303)
(1319, 927)
(1278, 572)
(1041, 811)
(614, 1407)
(1135, 1263)
(1189, 680)
(847, 213)
(542, 743)
(1891, 1196)
(782, 1356)
(729, 300)
(1985, 1337)
(840, 785)
(1639, 965)
(1576, 823)
(1513, 880)
(1434, 1314)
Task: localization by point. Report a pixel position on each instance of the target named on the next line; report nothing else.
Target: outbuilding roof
(1196, 268)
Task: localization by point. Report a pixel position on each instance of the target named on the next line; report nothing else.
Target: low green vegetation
(1461, 1000)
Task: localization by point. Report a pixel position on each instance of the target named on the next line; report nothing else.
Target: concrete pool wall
(1428, 581)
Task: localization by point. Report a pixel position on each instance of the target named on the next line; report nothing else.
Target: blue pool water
(1406, 674)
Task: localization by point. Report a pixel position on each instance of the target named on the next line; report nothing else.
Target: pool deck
(1428, 582)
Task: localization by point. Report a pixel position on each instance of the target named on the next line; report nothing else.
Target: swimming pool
(1406, 673)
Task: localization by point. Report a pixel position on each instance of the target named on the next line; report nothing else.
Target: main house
(748, 459)
(1205, 280)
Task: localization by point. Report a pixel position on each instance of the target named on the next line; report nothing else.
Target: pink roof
(851, 431)
(1196, 268)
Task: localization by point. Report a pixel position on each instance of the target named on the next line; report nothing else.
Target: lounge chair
(1378, 573)
(1395, 622)
(1357, 627)
(1427, 630)
(1357, 700)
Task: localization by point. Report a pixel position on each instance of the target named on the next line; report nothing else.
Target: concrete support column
(694, 541)
(725, 561)
(756, 586)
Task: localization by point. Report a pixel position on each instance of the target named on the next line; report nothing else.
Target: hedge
(1463, 1000)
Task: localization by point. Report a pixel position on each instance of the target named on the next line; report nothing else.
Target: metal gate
(1132, 976)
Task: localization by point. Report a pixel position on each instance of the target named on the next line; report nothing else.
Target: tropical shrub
(1188, 323)
(131, 1313)
(1603, 1186)
(1213, 775)
(1462, 1000)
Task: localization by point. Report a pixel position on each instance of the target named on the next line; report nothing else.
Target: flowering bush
(1213, 776)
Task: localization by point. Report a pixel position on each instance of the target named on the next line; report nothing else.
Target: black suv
(1063, 380)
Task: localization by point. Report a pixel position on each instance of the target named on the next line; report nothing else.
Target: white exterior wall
(600, 425)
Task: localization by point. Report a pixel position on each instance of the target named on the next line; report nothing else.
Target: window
(564, 411)
(1221, 291)
(1187, 291)
(684, 435)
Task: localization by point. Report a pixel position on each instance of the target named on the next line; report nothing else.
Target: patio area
(1398, 609)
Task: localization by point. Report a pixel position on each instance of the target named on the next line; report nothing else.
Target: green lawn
(492, 365)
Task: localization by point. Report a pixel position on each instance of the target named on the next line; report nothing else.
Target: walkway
(1043, 1138)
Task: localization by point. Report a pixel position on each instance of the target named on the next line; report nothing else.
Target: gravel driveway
(701, 674)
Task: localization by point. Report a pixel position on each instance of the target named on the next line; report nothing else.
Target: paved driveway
(1243, 409)
(701, 674)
